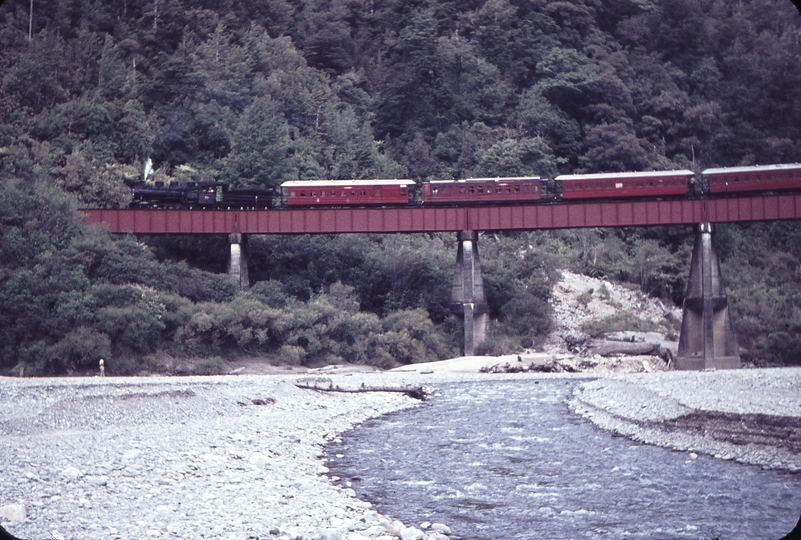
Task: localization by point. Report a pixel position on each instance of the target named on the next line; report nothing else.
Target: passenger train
(716, 182)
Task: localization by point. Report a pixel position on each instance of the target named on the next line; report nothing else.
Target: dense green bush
(261, 92)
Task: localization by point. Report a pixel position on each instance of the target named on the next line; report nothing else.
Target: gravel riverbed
(240, 457)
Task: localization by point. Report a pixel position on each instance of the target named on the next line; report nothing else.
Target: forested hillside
(258, 92)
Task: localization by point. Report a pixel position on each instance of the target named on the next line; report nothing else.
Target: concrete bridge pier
(467, 296)
(707, 339)
(238, 261)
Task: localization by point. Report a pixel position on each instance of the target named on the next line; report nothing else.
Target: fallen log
(627, 348)
(326, 385)
(609, 348)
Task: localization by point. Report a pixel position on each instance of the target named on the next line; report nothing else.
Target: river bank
(750, 415)
(239, 457)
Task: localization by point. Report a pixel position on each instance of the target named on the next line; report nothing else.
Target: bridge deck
(488, 218)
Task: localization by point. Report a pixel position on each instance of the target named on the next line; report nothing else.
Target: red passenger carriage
(624, 184)
(345, 192)
(756, 178)
(483, 190)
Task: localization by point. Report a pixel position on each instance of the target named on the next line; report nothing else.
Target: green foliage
(761, 265)
(269, 91)
(620, 322)
(518, 279)
(79, 349)
(213, 365)
(260, 146)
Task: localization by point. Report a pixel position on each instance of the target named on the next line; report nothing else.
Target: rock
(258, 459)
(441, 528)
(72, 472)
(412, 533)
(329, 535)
(97, 480)
(13, 512)
(132, 454)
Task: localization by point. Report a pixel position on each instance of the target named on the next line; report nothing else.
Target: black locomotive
(203, 195)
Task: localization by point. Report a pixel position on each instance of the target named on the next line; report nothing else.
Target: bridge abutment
(238, 261)
(468, 301)
(707, 340)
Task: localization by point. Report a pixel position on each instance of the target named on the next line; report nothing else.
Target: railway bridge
(706, 340)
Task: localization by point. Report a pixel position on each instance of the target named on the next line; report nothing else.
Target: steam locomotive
(473, 191)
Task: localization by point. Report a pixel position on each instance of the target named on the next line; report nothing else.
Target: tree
(614, 148)
(260, 146)
(518, 157)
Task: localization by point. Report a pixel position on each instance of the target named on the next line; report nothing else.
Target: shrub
(619, 322)
(80, 349)
(291, 354)
(213, 365)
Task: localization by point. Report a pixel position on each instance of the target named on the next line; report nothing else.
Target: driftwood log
(610, 348)
(614, 348)
(326, 385)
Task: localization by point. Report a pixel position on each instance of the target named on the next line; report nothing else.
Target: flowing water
(507, 459)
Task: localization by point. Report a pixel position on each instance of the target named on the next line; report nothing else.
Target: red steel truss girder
(486, 218)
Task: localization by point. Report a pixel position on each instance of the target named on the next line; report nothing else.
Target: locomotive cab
(210, 195)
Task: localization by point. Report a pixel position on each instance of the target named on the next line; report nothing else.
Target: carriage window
(681, 182)
(756, 178)
(461, 190)
(525, 188)
(434, 191)
(313, 193)
(302, 193)
(578, 186)
(481, 189)
(588, 185)
(403, 190)
(534, 188)
(767, 177)
(736, 179)
(609, 185)
(471, 190)
(342, 193)
(789, 175)
(629, 184)
(639, 183)
(517, 189)
(599, 185)
(444, 190)
(322, 193)
(291, 193)
(508, 189)
(568, 187)
(363, 192)
(660, 183)
(746, 179)
(378, 193)
(649, 184)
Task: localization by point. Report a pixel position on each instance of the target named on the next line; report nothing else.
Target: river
(507, 459)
